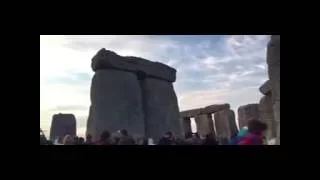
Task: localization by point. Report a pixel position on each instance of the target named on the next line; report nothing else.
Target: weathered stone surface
(106, 59)
(215, 108)
(265, 88)
(62, 124)
(273, 60)
(246, 113)
(186, 125)
(191, 113)
(225, 125)
(204, 124)
(90, 121)
(267, 116)
(207, 110)
(160, 108)
(116, 102)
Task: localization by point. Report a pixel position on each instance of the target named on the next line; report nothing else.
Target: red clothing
(251, 139)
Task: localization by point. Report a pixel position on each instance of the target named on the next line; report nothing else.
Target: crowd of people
(253, 134)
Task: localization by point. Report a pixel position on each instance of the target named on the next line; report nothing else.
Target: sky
(211, 69)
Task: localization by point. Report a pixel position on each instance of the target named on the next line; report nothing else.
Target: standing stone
(61, 125)
(90, 121)
(116, 102)
(204, 124)
(225, 125)
(186, 125)
(267, 116)
(160, 108)
(246, 113)
(273, 60)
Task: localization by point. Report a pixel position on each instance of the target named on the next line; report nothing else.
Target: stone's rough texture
(116, 102)
(246, 113)
(267, 116)
(191, 113)
(61, 125)
(232, 122)
(265, 88)
(106, 59)
(215, 108)
(186, 125)
(207, 110)
(160, 108)
(225, 125)
(90, 122)
(273, 60)
(204, 124)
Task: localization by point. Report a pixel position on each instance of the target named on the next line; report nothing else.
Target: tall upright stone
(186, 125)
(63, 124)
(225, 125)
(273, 61)
(117, 102)
(204, 124)
(246, 113)
(267, 116)
(160, 108)
(132, 93)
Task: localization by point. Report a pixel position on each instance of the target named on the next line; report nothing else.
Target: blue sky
(210, 69)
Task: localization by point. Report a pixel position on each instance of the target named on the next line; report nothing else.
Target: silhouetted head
(257, 127)
(80, 140)
(188, 135)
(196, 135)
(89, 137)
(124, 132)
(104, 135)
(67, 140)
(168, 135)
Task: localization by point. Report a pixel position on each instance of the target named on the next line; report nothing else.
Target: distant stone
(106, 59)
(265, 88)
(225, 125)
(215, 108)
(191, 113)
(246, 113)
(62, 125)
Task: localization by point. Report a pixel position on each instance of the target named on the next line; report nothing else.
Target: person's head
(89, 137)
(196, 135)
(168, 135)
(188, 135)
(124, 132)
(67, 140)
(80, 140)
(105, 135)
(257, 127)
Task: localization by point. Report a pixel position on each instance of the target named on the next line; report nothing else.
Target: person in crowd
(125, 139)
(210, 139)
(196, 139)
(167, 139)
(88, 140)
(188, 138)
(67, 140)
(179, 140)
(254, 134)
(150, 141)
(80, 141)
(104, 138)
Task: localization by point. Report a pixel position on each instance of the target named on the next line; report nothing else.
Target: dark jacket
(126, 140)
(165, 141)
